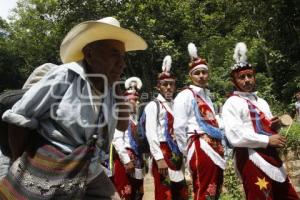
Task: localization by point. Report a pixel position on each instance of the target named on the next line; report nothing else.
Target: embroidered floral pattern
(211, 192)
(173, 160)
(212, 189)
(166, 181)
(215, 144)
(168, 195)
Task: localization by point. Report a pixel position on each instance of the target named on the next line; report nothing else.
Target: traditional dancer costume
(198, 135)
(129, 186)
(247, 120)
(162, 144)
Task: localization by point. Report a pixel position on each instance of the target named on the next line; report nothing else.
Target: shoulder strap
(259, 121)
(158, 110)
(190, 89)
(249, 102)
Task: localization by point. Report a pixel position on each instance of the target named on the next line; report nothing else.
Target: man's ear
(87, 54)
(157, 87)
(232, 79)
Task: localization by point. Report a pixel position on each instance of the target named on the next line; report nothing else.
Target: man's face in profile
(106, 57)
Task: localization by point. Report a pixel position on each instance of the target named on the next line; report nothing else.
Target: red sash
(137, 159)
(209, 117)
(270, 154)
(170, 119)
(205, 110)
(134, 130)
(173, 160)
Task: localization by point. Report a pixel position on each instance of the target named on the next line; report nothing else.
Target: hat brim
(90, 31)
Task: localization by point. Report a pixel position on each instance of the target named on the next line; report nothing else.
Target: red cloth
(128, 188)
(207, 176)
(270, 154)
(253, 177)
(173, 161)
(205, 110)
(165, 189)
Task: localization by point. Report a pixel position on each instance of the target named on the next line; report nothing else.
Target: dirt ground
(148, 187)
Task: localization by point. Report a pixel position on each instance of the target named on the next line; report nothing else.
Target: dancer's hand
(277, 141)
(162, 167)
(129, 167)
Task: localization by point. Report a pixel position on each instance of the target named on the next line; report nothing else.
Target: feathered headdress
(196, 61)
(133, 85)
(240, 57)
(166, 68)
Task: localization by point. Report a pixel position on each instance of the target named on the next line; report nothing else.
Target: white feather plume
(192, 49)
(240, 53)
(166, 67)
(131, 80)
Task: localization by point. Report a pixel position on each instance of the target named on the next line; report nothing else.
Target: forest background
(271, 29)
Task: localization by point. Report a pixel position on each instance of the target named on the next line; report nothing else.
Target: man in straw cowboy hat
(167, 162)
(72, 109)
(252, 130)
(197, 131)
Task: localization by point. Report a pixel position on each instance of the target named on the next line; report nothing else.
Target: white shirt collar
(167, 104)
(200, 90)
(161, 98)
(247, 95)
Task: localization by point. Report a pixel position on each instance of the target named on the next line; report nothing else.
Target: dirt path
(148, 187)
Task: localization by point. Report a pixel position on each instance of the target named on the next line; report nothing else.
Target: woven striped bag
(48, 174)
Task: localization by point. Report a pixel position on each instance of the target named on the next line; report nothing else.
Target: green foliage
(270, 29)
(293, 137)
(264, 87)
(9, 61)
(232, 186)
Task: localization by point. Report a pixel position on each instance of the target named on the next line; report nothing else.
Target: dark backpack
(143, 144)
(7, 100)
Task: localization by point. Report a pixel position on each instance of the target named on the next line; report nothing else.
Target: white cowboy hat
(86, 32)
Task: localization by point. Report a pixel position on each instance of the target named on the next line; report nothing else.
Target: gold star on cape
(262, 183)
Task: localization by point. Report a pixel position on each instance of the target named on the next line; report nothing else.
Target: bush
(293, 137)
(232, 189)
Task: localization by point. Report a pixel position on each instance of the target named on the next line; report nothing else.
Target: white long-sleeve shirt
(184, 117)
(240, 131)
(237, 121)
(155, 131)
(121, 142)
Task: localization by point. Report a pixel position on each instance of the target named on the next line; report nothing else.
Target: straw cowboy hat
(86, 32)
